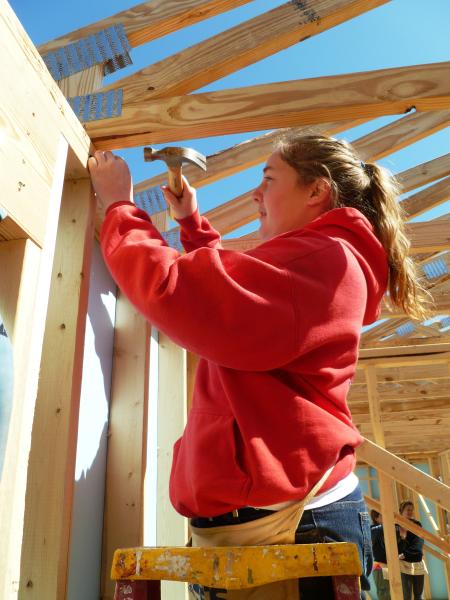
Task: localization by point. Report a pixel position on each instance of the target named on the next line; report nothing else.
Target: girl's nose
(257, 195)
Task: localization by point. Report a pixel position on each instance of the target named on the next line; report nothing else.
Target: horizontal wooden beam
(384, 353)
(422, 416)
(150, 20)
(425, 172)
(286, 104)
(409, 389)
(394, 406)
(388, 374)
(237, 47)
(404, 473)
(427, 357)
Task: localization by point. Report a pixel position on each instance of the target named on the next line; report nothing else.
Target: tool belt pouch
(277, 528)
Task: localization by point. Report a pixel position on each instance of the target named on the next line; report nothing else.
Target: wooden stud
(25, 297)
(127, 437)
(385, 488)
(52, 456)
(171, 527)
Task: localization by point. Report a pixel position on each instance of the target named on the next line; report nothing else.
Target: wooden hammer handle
(175, 180)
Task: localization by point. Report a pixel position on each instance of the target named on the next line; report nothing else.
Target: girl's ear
(320, 193)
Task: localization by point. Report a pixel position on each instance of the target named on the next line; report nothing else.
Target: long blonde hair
(373, 191)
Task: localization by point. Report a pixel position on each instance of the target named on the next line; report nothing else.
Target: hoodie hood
(351, 228)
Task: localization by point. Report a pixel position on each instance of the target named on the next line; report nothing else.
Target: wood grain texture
(51, 468)
(29, 322)
(403, 132)
(37, 99)
(238, 47)
(150, 20)
(426, 199)
(286, 104)
(424, 173)
(127, 437)
(403, 472)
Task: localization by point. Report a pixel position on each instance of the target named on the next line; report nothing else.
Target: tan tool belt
(277, 528)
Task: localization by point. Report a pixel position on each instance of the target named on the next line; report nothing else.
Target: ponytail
(405, 290)
(374, 192)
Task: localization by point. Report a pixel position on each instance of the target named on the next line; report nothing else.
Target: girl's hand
(184, 206)
(111, 179)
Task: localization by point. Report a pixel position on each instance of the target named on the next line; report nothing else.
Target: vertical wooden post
(25, 293)
(53, 449)
(171, 528)
(127, 437)
(435, 471)
(385, 485)
(427, 590)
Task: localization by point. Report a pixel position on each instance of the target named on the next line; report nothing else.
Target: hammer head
(175, 156)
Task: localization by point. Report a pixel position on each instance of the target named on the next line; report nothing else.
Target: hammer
(174, 157)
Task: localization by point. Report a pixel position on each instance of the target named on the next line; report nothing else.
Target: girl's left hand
(111, 178)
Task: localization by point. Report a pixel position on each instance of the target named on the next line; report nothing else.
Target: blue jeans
(346, 520)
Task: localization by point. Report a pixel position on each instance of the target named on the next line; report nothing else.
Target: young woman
(277, 328)
(410, 548)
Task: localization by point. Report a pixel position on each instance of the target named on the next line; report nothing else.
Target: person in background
(268, 452)
(410, 548)
(379, 556)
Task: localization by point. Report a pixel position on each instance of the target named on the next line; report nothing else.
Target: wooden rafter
(150, 20)
(286, 104)
(424, 173)
(401, 133)
(427, 199)
(238, 47)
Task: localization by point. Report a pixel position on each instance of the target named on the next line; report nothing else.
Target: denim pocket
(367, 543)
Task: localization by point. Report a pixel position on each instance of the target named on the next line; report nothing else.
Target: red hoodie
(277, 329)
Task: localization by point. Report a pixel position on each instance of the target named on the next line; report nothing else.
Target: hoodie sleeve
(226, 306)
(197, 232)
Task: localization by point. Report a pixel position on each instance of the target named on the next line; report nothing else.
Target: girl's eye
(267, 178)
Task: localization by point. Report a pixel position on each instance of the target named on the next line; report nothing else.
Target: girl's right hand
(184, 206)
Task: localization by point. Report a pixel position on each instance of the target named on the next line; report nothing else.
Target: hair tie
(363, 165)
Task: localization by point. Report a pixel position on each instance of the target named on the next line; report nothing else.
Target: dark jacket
(411, 547)
(378, 547)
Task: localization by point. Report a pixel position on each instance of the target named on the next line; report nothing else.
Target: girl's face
(284, 204)
(408, 511)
